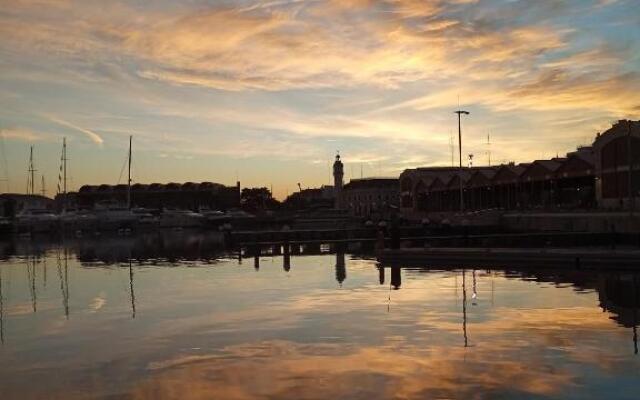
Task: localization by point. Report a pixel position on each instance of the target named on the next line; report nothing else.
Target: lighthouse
(338, 175)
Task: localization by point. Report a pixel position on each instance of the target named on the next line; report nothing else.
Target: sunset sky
(267, 91)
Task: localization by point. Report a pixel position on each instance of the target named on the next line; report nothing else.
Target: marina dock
(553, 258)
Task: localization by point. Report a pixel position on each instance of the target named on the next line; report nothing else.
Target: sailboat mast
(64, 167)
(64, 174)
(44, 192)
(129, 179)
(31, 178)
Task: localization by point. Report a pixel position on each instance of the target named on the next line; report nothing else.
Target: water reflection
(286, 259)
(1, 310)
(63, 277)
(396, 277)
(464, 308)
(341, 269)
(31, 282)
(210, 327)
(132, 294)
(159, 247)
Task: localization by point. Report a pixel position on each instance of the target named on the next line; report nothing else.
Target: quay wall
(572, 222)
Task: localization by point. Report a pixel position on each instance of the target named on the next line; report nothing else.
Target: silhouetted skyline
(265, 93)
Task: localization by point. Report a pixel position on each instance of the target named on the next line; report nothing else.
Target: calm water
(185, 321)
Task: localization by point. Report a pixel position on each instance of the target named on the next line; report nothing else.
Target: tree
(258, 199)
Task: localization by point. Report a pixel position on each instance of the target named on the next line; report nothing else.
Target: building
(560, 183)
(188, 195)
(371, 196)
(12, 204)
(338, 176)
(417, 184)
(322, 197)
(617, 163)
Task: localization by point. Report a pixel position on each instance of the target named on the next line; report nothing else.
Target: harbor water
(177, 317)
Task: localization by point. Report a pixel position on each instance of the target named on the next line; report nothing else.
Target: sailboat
(178, 219)
(71, 220)
(34, 219)
(113, 216)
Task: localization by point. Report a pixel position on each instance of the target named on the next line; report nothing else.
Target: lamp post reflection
(464, 308)
(44, 272)
(474, 296)
(636, 302)
(1, 311)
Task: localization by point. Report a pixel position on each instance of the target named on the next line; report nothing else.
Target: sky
(266, 92)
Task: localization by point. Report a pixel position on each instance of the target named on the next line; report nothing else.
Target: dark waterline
(177, 317)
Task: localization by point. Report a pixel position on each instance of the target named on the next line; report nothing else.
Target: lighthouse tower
(338, 175)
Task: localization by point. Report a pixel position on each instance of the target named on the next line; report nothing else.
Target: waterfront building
(189, 195)
(12, 204)
(605, 175)
(322, 197)
(617, 161)
(371, 196)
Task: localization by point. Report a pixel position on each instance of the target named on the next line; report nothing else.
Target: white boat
(36, 221)
(181, 219)
(214, 217)
(239, 214)
(78, 220)
(34, 218)
(146, 218)
(114, 217)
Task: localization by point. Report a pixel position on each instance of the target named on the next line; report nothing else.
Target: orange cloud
(21, 134)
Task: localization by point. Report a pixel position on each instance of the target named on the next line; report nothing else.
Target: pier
(553, 258)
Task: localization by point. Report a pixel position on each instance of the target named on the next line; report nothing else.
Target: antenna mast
(5, 164)
(488, 149)
(64, 168)
(451, 147)
(129, 179)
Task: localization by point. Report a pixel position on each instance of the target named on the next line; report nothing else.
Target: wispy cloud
(92, 135)
(278, 79)
(21, 134)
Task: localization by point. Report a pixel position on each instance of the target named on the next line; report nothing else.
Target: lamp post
(460, 112)
(630, 188)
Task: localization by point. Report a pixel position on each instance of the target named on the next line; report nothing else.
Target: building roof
(153, 187)
(482, 176)
(620, 128)
(371, 183)
(508, 173)
(454, 181)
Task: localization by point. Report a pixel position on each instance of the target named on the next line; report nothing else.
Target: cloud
(97, 303)
(257, 79)
(92, 135)
(21, 134)
(404, 369)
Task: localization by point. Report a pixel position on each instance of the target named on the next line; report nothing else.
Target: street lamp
(460, 112)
